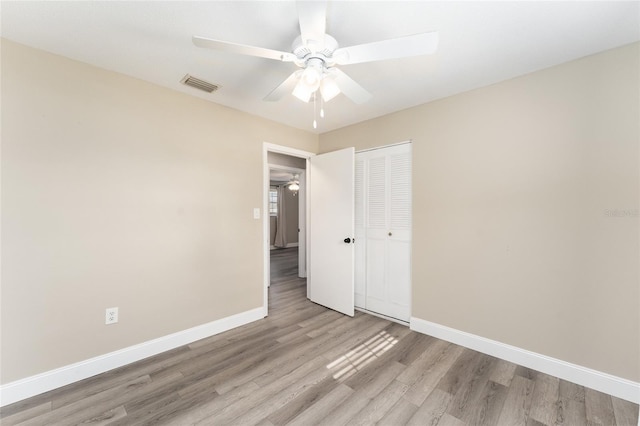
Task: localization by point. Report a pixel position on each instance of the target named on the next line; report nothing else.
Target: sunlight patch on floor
(354, 360)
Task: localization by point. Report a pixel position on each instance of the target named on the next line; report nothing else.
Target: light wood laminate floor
(306, 365)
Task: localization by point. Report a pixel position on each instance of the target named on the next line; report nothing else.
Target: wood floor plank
(432, 409)
(343, 319)
(357, 352)
(275, 395)
(29, 403)
(107, 418)
(517, 404)
(376, 409)
(265, 362)
(80, 410)
(533, 422)
(26, 414)
(625, 412)
(321, 320)
(148, 404)
(448, 420)
(307, 397)
(545, 396)
(345, 411)
(525, 372)
(208, 409)
(486, 409)
(99, 403)
(211, 361)
(374, 379)
(470, 389)
(119, 376)
(436, 365)
(265, 422)
(317, 411)
(217, 367)
(503, 372)
(165, 409)
(411, 347)
(599, 408)
(436, 350)
(303, 353)
(399, 414)
(571, 409)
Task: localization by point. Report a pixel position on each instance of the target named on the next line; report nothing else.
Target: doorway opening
(285, 219)
(285, 223)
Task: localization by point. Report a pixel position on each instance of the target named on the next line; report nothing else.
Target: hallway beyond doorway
(284, 264)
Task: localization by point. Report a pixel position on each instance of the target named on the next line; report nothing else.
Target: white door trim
(385, 146)
(266, 148)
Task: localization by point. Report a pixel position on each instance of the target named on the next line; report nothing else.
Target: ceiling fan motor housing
(313, 49)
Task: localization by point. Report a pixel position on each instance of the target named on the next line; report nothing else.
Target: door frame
(266, 240)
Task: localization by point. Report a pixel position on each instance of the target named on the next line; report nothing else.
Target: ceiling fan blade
(242, 49)
(349, 87)
(401, 47)
(286, 87)
(313, 22)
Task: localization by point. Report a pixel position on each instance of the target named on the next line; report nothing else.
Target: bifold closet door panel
(383, 231)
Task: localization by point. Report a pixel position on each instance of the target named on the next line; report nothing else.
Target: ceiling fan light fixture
(303, 91)
(294, 183)
(329, 88)
(310, 80)
(312, 74)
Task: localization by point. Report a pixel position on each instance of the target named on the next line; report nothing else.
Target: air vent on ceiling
(192, 81)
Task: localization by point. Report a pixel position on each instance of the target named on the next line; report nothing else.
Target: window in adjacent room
(273, 201)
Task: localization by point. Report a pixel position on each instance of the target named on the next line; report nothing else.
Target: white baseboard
(40, 383)
(292, 245)
(603, 382)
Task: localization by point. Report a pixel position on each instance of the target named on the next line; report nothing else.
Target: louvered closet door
(383, 231)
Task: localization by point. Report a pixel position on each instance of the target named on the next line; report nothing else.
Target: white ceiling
(280, 176)
(480, 43)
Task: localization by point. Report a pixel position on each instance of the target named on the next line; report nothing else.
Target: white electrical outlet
(111, 316)
(256, 213)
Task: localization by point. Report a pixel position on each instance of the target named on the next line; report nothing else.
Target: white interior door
(330, 183)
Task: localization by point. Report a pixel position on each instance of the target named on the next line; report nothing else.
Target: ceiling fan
(317, 54)
(294, 183)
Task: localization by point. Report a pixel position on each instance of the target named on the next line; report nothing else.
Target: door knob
(347, 240)
(390, 234)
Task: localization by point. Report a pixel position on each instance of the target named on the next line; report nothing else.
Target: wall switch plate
(256, 213)
(111, 316)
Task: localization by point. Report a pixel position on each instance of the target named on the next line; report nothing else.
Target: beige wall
(117, 192)
(516, 191)
(286, 160)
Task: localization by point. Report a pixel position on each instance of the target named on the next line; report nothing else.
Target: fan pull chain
(321, 107)
(315, 123)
